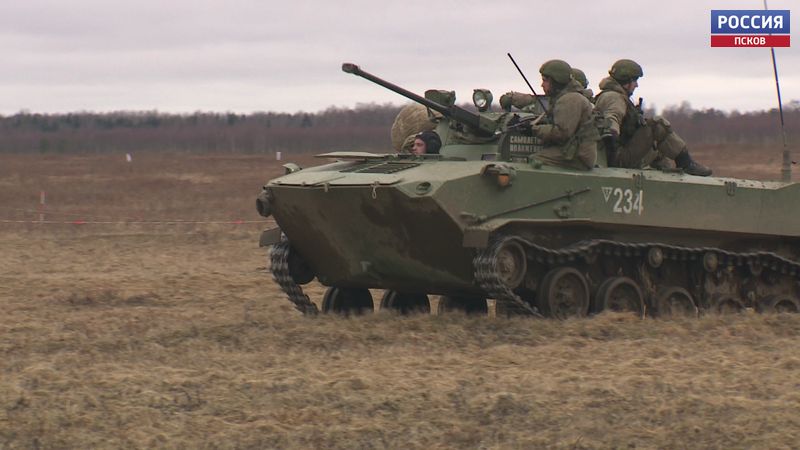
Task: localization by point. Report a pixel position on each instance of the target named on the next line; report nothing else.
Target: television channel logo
(750, 28)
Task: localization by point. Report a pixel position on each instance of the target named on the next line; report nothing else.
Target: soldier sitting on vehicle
(570, 136)
(633, 141)
(580, 77)
(527, 102)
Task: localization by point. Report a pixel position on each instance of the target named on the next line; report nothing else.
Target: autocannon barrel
(453, 112)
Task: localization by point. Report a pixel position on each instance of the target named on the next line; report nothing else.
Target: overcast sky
(266, 55)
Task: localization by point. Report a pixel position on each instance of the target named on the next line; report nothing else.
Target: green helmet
(558, 70)
(625, 71)
(580, 77)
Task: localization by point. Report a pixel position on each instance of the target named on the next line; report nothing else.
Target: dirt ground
(123, 328)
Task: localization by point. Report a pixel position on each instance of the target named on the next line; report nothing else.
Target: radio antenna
(539, 99)
(786, 167)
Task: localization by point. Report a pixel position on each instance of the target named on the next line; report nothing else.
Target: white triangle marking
(607, 192)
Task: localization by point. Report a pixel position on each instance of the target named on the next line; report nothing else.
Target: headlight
(503, 174)
(442, 97)
(482, 99)
(263, 203)
(291, 168)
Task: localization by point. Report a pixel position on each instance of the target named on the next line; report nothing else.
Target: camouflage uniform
(527, 102)
(571, 138)
(633, 141)
(519, 100)
(636, 134)
(580, 78)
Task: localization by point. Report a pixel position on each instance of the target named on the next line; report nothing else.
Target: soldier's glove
(610, 141)
(525, 128)
(505, 101)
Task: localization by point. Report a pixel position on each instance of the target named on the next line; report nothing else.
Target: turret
(477, 123)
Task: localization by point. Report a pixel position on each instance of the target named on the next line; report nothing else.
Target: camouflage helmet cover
(580, 77)
(625, 71)
(558, 70)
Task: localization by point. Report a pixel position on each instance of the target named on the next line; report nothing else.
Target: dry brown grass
(174, 336)
(756, 162)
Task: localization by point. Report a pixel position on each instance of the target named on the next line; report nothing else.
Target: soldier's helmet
(432, 141)
(580, 77)
(558, 70)
(625, 71)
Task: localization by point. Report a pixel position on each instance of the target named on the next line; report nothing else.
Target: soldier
(527, 102)
(426, 142)
(580, 78)
(632, 140)
(570, 139)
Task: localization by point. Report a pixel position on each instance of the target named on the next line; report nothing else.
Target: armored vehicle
(484, 219)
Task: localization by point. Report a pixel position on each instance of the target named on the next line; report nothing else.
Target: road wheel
(619, 294)
(511, 264)
(565, 293)
(674, 301)
(779, 304)
(726, 304)
(405, 303)
(347, 301)
(467, 305)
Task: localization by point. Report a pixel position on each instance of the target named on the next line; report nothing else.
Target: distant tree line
(363, 128)
(712, 126)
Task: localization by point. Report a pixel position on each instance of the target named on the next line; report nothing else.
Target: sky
(181, 56)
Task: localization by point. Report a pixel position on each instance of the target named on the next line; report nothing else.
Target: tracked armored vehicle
(485, 220)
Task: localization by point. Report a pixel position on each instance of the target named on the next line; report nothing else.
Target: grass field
(172, 335)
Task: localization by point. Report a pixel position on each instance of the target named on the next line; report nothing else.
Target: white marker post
(42, 197)
(278, 156)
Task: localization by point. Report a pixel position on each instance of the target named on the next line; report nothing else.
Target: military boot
(661, 163)
(685, 162)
